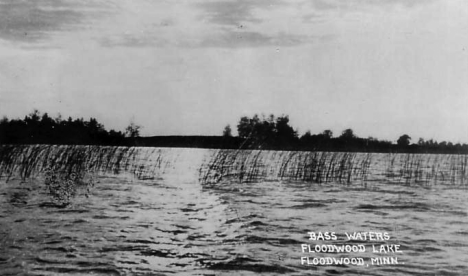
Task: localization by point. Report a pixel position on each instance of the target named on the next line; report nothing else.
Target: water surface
(174, 224)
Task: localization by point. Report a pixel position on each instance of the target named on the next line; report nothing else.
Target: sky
(190, 67)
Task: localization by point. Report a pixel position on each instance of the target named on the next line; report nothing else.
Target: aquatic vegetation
(28, 161)
(256, 165)
(62, 186)
(247, 166)
(427, 169)
(242, 166)
(224, 221)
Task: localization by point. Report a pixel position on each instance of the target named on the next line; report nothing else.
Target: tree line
(275, 133)
(37, 128)
(256, 132)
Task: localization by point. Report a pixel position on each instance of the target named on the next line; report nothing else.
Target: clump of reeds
(27, 161)
(62, 185)
(335, 167)
(427, 169)
(242, 166)
(255, 165)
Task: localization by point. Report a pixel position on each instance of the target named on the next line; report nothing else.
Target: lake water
(185, 212)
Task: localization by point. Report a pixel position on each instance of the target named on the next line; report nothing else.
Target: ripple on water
(170, 228)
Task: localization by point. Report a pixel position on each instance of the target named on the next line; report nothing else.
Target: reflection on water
(172, 224)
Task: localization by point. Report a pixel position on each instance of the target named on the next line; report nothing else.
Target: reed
(27, 161)
(254, 166)
(246, 166)
(62, 185)
(427, 170)
(243, 166)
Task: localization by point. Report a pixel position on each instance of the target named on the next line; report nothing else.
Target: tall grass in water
(27, 161)
(427, 169)
(237, 165)
(256, 165)
(338, 167)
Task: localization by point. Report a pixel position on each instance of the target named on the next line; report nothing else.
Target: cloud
(34, 21)
(239, 12)
(184, 23)
(229, 12)
(220, 24)
(322, 5)
(132, 40)
(225, 39)
(245, 23)
(239, 39)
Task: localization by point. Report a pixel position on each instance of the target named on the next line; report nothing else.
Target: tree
(348, 134)
(33, 116)
(94, 126)
(269, 132)
(421, 142)
(328, 134)
(306, 135)
(404, 140)
(245, 126)
(133, 130)
(283, 130)
(37, 128)
(227, 132)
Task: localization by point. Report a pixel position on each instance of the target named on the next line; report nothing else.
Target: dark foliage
(267, 133)
(42, 129)
(227, 132)
(276, 133)
(404, 140)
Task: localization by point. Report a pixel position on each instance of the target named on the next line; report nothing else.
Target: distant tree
(227, 132)
(37, 128)
(58, 119)
(245, 127)
(47, 122)
(94, 125)
(254, 128)
(432, 143)
(267, 132)
(348, 134)
(307, 138)
(404, 140)
(33, 117)
(421, 142)
(306, 135)
(132, 130)
(328, 134)
(283, 130)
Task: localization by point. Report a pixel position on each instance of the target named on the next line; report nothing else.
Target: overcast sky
(383, 68)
